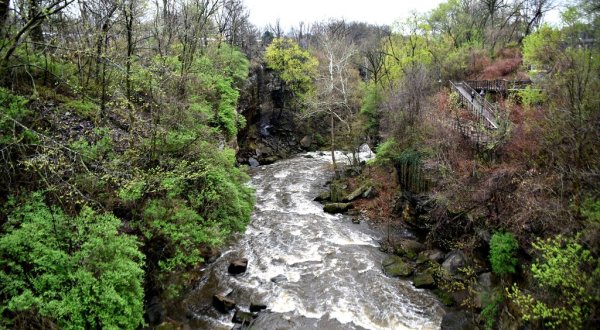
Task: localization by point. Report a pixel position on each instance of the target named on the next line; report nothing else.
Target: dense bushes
(503, 247)
(78, 271)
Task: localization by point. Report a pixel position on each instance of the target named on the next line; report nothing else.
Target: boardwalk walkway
(499, 85)
(483, 110)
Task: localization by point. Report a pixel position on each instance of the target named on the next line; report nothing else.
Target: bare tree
(336, 80)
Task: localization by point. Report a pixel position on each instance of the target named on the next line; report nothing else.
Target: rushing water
(328, 269)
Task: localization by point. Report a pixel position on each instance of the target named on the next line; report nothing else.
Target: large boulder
(410, 248)
(306, 142)
(424, 280)
(253, 162)
(222, 303)
(238, 266)
(334, 208)
(454, 261)
(430, 255)
(394, 266)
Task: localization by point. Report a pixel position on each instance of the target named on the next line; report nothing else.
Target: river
(313, 270)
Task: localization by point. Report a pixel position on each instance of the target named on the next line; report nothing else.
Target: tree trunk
(36, 33)
(333, 145)
(4, 7)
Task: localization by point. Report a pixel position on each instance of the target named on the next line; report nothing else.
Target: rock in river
(238, 266)
(334, 208)
(242, 317)
(222, 303)
(257, 307)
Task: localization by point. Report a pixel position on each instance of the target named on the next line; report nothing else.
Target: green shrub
(532, 96)
(189, 204)
(12, 107)
(79, 272)
(591, 210)
(84, 109)
(490, 310)
(387, 151)
(568, 278)
(95, 150)
(503, 247)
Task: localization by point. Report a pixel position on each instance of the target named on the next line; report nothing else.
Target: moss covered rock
(424, 280)
(395, 266)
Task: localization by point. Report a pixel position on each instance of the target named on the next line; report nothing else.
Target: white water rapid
(313, 270)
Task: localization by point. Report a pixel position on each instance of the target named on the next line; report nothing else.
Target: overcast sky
(291, 12)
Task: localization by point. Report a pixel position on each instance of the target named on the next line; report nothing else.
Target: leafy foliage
(569, 277)
(79, 272)
(297, 68)
(591, 210)
(503, 247)
(12, 107)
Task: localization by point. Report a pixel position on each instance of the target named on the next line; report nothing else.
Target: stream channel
(312, 269)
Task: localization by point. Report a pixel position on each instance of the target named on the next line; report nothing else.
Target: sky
(292, 12)
(380, 12)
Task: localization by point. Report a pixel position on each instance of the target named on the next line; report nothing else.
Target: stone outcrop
(323, 196)
(279, 278)
(430, 255)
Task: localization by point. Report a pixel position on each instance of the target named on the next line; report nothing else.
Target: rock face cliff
(273, 129)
